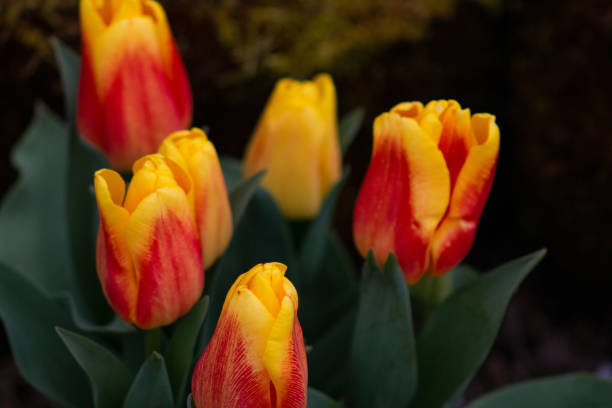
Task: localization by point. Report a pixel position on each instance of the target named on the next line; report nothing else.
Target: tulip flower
(208, 197)
(134, 88)
(256, 357)
(296, 141)
(148, 254)
(428, 181)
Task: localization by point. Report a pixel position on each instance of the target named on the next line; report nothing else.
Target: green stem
(153, 340)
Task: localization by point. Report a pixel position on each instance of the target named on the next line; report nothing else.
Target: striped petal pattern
(429, 178)
(256, 357)
(148, 253)
(133, 88)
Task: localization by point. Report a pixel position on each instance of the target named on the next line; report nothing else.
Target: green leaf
(349, 127)
(232, 171)
(69, 64)
(33, 236)
(471, 317)
(109, 378)
(316, 399)
(383, 362)
(462, 274)
(115, 325)
(29, 317)
(314, 245)
(240, 195)
(260, 236)
(328, 356)
(83, 160)
(180, 349)
(570, 391)
(333, 292)
(151, 387)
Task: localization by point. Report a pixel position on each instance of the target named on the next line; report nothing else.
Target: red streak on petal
(171, 278)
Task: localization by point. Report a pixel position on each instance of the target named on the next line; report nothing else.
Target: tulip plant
(212, 282)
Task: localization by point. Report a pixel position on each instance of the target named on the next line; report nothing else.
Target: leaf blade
(383, 329)
(109, 378)
(569, 391)
(477, 308)
(151, 387)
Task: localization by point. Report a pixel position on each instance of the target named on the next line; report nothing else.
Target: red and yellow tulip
(428, 181)
(197, 156)
(296, 141)
(148, 253)
(256, 357)
(134, 88)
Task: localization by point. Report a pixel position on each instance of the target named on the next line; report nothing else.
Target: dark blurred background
(543, 68)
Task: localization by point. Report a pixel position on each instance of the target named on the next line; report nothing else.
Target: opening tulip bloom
(296, 141)
(428, 181)
(134, 88)
(197, 156)
(148, 253)
(256, 357)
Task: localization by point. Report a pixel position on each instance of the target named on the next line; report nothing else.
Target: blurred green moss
(283, 38)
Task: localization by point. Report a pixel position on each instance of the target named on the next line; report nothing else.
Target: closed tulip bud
(428, 181)
(256, 357)
(192, 150)
(148, 253)
(134, 88)
(296, 141)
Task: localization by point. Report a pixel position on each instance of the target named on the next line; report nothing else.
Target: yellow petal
(277, 350)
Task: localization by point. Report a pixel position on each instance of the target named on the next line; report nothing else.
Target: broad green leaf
(241, 194)
(30, 317)
(33, 235)
(383, 362)
(461, 275)
(570, 391)
(232, 171)
(314, 245)
(115, 325)
(471, 317)
(109, 378)
(328, 356)
(260, 236)
(151, 387)
(316, 399)
(83, 160)
(180, 348)
(331, 294)
(69, 64)
(349, 127)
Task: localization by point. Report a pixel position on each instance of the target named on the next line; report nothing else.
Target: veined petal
(230, 373)
(285, 358)
(165, 251)
(113, 260)
(403, 197)
(455, 236)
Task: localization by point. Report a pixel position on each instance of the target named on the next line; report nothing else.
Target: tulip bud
(428, 181)
(134, 88)
(148, 253)
(296, 141)
(256, 357)
(197, 156)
